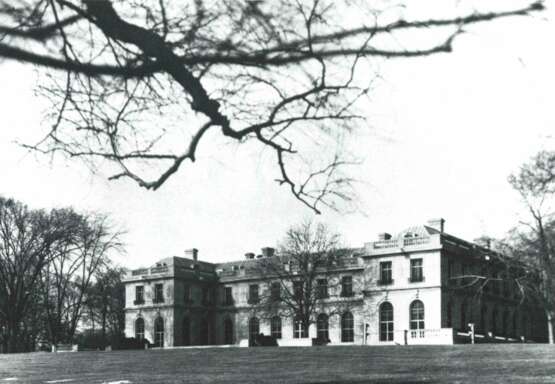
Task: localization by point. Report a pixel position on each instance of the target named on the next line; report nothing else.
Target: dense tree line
(55, 266)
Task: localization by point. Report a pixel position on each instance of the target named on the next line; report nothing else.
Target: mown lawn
(349, 365)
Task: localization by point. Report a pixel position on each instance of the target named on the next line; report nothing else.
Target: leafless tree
(304, 280)
(142, 83)
(105, 303)
(69, 275)
(535, 182)
(27, 242)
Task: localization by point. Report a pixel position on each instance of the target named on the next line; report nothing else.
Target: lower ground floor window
(386, 322)
(322, 327)
(159, 332)
(275, 327)
(347, 327)
(300, 329)
(254, 329)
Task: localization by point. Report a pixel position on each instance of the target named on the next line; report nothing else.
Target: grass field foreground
(498, 363)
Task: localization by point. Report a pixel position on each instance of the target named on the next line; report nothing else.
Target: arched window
(159, 332)
(140, 328)
(300, 328)
(463, 325)
(347, 327)
(228, 331)
(275, 327)
(204, 332)
(417, 319)
(186, 331)
(322, 327)
(254, 329)
(386, 322)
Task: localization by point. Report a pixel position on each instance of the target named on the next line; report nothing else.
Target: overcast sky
(444, 132)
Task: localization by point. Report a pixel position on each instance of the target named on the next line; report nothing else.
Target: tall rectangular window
(159, 293)
(207, 296)
(386, 272)
(253, 294)
(347, 286)
(228, 296)
(321, 288)
(416, 272)
(275, 327)
(297, 289)
(187, 293)
(275, 291)
(139, 295)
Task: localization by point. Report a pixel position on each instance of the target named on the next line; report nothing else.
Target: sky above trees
(444, 132)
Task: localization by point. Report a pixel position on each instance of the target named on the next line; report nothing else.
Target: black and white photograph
(277, 191)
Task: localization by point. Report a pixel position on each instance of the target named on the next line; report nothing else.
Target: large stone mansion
(404, 289)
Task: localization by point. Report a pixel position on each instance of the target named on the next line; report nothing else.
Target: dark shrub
(265, 341)
(130, 343)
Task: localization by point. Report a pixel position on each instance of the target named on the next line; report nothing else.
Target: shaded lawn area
(494, 363)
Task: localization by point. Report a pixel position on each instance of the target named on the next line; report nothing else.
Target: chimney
(438, 224)
(249, 255)
(384, 236)
(192, 253)
(268, 251)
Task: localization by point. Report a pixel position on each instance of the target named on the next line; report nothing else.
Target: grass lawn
(495, 363)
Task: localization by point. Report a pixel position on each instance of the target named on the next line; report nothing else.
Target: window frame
(276, 327)
(275, 291)
(386, 272)
(228, 295)
(298, 289)
(254, 329)
(417, 318)
(158, 293)
(347, 288)
(138, 334)
(139, 298)
(322, 288)
(386, 325)
(300, 330)
(347, 327)
(416, 270)
(187, 293)
(159, 334)
(254, 294)
(323, 327)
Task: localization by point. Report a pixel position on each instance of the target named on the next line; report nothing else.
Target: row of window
(321, 290)
(386, 272)
(208, 295)
(300, 328)
(140, 294)
(186, 335)
(416, 320)
(158, 330)
(495, 282)
(509, 325)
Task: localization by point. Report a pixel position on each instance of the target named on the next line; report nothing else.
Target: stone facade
(417, 287)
